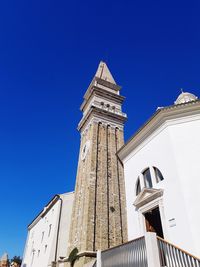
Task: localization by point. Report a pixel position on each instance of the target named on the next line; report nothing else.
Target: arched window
(147, 178)
(138, 187)
(158, 175)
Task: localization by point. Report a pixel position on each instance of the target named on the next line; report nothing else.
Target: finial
(182, 90)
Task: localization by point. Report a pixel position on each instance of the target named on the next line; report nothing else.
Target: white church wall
(186, 146)
(157, 150)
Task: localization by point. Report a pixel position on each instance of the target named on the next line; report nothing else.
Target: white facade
(169, 141)
(48, 234)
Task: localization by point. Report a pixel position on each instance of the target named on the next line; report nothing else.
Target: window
(42, 237)
(45, 248)
(158, 175)
(38, 252)
(138, 186)
(147, 178)
(33, 255)
(49, 229)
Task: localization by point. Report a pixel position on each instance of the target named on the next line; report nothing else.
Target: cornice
(108, 84)
(98, 80)
(104, 114)
(158, 118)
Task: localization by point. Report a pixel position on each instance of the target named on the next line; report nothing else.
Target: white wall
(185, 139)
(63, 243)
(178, 162)
(40, 252)
(38, 249)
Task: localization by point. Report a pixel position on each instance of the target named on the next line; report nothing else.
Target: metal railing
(129, 254)
(172, 256)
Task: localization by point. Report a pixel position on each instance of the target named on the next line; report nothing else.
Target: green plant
(73, 256)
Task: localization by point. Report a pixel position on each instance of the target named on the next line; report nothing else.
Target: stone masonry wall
(99, 213)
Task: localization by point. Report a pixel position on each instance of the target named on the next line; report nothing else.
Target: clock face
(85, 150)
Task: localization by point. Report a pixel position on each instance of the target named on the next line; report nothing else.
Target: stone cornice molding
(104, 115)
(158, 118)
(97, 80)
(108, 84)
(103, 93)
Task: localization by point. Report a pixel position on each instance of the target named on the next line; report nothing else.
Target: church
(124, 191)
(161, 165)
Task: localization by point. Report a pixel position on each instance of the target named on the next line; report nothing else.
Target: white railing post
(98, 258)
(153, 258)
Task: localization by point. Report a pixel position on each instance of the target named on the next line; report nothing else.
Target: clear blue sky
(49, 52)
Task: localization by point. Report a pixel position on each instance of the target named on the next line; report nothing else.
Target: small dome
(185, 97)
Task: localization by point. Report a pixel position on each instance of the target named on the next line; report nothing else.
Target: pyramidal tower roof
(104, 73)
(103, 80)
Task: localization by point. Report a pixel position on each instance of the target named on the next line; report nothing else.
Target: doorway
(153, 222)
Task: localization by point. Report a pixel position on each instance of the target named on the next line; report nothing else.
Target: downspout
(58, 229)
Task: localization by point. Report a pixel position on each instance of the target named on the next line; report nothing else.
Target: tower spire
(104, 73)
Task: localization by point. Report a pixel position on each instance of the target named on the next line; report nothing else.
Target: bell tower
(99, 212)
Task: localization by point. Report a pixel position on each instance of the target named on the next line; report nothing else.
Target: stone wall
(99, 212)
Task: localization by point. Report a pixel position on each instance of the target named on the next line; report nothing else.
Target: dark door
(153, 222)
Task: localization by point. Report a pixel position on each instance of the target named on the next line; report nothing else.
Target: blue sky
(49, 52)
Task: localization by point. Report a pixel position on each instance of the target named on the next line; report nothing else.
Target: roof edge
(153, 122)
(46, 208)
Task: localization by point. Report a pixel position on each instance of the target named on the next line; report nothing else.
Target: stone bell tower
(99, 212)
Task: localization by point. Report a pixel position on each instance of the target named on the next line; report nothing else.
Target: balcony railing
(147, 251)
(129, 254)
(172, 256)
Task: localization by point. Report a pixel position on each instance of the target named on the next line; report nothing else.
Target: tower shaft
(99, 212)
